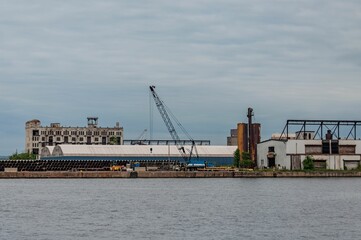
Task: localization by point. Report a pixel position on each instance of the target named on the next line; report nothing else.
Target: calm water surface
(180, 209)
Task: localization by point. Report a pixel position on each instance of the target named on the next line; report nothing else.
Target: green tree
(114, 141)
(19, 156)
(246, 156)
(236, 158)
(246, 161)
(308, 163)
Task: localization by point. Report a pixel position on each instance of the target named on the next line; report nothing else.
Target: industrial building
(38, 137)
(326, 144)
(215, 155)
(232, 139)
(246, 136)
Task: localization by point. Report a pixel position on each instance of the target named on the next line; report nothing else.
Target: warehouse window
(35, 132)
(330, 147)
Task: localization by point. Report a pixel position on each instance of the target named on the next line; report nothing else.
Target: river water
(327, 208)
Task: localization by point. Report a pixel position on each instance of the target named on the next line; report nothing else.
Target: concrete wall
(298, 146)
(281, 159)
(357, 143)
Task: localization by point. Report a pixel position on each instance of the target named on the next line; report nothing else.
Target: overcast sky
(61, 61)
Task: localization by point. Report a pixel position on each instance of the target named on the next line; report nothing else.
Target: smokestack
(329, 135)
(250, 132)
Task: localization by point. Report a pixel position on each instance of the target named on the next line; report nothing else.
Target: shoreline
(176, 174)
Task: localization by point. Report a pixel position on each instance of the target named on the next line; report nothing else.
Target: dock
(176, 174)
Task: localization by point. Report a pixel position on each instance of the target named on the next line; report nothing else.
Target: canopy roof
(138, 150)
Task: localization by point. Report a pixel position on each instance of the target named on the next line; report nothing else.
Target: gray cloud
(62, 61)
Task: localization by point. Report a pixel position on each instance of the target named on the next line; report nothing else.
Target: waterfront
(178, 174)
(322, 208)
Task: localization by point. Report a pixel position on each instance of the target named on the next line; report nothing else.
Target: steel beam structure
(335, 126)
(167, 142)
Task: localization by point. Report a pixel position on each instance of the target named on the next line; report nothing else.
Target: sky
(62, 61)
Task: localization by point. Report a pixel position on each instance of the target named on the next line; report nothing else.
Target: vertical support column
(321, 130)
(250, 134)
(354, 126)
(338, 130)
(304, 130)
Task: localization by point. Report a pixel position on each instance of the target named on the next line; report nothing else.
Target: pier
(177, 174)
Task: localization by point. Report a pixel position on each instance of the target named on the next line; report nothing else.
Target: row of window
(35, 139)
(327, 147)
(66, 139)
(84, 133)
(73, 143)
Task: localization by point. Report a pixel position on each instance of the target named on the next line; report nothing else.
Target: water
(180, 208)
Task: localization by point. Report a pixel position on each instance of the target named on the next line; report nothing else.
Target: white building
(289, 153)
(38, 136)
(216, 155)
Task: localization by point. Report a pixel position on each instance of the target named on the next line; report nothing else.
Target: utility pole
(250, 132)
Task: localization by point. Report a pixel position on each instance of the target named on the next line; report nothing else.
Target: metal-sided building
(215, 155)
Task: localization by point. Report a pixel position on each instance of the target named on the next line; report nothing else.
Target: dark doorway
(271, 162)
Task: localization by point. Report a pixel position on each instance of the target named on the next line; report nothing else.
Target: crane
(164, 114)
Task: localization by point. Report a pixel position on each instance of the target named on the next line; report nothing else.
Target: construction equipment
(116, 168)
(164, 114)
